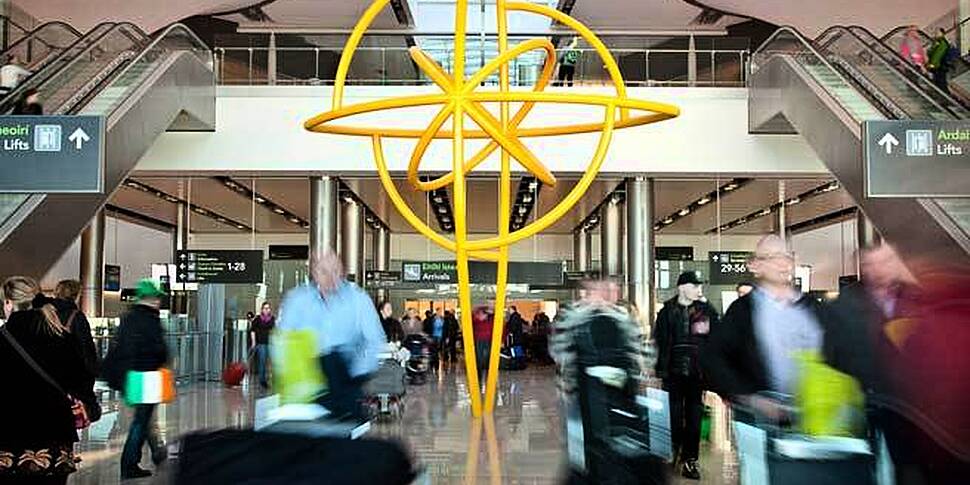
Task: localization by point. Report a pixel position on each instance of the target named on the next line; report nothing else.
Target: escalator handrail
(843, 30)
(908, 66)
(11, 21)
(161, 36)
(118, 27)
(30, 35)
(15, 93)
(810, 47)
(892, 33)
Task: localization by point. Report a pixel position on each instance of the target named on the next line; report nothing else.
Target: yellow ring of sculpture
(459, 98)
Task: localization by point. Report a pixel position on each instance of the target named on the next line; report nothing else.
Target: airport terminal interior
(486, 182)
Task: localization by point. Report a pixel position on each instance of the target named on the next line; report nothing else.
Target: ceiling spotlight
(533, 185)
(793, 201)
(523, 210)
(199, 210)
(684, 211)
(669, 220)
(704, 201)
(240, 226)
(594, 221)
(260, 200)
(294, 220)
(438, 199)
(279, 210)
(369, 218)
(306, 225)
(171, 199)
(445, 219)
(526, 199)
(348, 198)
(132, 183)
(657, 227)
(730, 187)
(442, 209)
(231, 184)
(764, 212)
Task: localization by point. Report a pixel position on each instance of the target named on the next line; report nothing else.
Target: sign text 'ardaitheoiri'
(219, 266)
(51, 154)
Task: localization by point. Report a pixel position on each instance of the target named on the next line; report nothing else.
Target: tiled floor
(521, 444)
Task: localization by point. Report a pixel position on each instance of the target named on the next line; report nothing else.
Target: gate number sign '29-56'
(51, 154)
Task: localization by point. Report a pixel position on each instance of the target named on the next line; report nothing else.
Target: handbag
(81, 419)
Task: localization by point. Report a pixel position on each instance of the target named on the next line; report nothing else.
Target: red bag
(234, 374)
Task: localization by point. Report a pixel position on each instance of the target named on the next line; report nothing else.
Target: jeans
(566, 73)
(139, 432)
(686, 408)
(262, 356)
(482, 348)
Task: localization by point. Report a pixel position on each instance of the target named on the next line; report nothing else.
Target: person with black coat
(140, 347)
(680, 333)
(750, 352)
(29, 104)
(392, 326)
(452, 336)
(37, 425)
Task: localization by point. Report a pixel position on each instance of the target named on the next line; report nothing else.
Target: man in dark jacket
(750, 352)
(141, 347)
(681, 330)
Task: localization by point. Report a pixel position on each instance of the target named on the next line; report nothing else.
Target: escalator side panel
(182, 84)
(837, 139)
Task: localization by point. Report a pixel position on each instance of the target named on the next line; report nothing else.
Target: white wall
(133, 247)
(261, 129)
(820, 248)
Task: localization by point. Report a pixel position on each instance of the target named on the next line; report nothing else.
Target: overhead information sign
(382, 279)
(51, 154)
(219, 266)
(729, 267)
(482, 272)
(917, 158)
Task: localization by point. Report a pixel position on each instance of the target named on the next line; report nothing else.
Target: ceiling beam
(172, 199)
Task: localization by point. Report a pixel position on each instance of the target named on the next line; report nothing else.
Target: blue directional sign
(52, 154)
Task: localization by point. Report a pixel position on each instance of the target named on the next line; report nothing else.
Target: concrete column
(866, 236)
(271, 60)
(611, 231)
(92, 267)
(352, 239)
(382, 255)
(781, 217)
(581, 250)
(323, 214)
(640, 244)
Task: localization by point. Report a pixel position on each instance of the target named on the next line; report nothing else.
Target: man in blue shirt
(348, 332)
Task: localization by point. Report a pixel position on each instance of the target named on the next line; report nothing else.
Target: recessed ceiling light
(684, 211)
(793, 201)
(668, 220)
(704, 201)
(730, 187)
(764, 212)
(294, 220)
(260, 200)
(279, 210)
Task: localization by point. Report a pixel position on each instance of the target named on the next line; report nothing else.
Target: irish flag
(149, 387)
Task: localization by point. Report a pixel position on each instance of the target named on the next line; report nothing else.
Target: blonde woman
(39, 427)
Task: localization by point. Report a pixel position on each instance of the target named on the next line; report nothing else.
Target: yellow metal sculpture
(460, 98)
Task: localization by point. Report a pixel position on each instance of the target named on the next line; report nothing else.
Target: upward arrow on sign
(888, 141)
(79, 137)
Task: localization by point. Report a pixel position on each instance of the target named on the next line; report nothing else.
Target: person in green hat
(141, 347)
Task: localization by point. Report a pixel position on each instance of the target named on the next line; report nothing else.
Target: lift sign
(51, 154)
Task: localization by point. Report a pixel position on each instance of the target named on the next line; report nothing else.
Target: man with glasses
(750, 355)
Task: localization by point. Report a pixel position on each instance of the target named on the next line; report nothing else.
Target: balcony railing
(393, 66)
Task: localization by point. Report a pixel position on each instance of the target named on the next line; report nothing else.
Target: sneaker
(691, 470)
(135, 473)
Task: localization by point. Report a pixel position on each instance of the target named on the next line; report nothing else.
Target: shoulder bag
(81, 420)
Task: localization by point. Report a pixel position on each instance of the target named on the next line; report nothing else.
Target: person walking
(775, 318)
(140, 347)
(260, 329)
(567, 63)
(911, 48)
(393, 329)
(482, 324)
(348, 332)
(452, 336)
(41, 363)
(939, 60)
(680, 332)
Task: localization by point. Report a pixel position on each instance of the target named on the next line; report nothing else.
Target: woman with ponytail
(41, 365)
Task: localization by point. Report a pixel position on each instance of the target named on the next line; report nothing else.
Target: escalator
(143, 87)
(37, 47)
(959, 75)
(824, 90)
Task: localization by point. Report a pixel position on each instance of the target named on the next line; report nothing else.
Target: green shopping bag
(296, 366)
(831, 402)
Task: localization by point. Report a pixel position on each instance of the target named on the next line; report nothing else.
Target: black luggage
(251, 458)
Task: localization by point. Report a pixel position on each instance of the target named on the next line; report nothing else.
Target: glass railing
(175, 40)
(788, 44)
(10, 31)
(902, 95)
(960, 71)
(42, 44)
(393, 66)
(52, 67)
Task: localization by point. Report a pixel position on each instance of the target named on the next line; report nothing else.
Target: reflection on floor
(523, 445)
